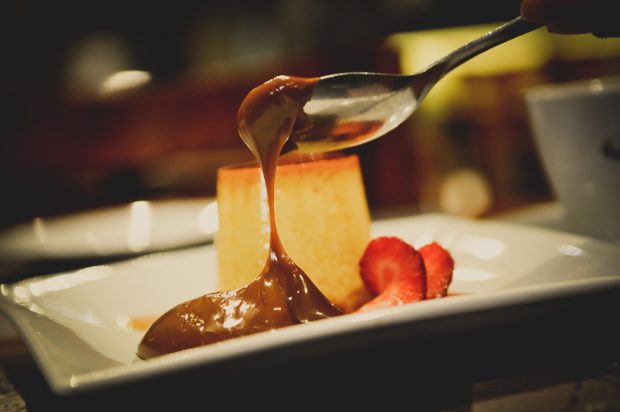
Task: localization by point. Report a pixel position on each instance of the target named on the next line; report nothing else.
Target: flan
(322, 218)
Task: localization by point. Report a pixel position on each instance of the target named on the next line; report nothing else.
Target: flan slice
(321, 216)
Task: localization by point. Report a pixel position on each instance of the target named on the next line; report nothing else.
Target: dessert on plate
(282, 294)
(322, 219)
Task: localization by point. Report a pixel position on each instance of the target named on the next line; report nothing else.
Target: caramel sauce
(141, 323)
(282, 294)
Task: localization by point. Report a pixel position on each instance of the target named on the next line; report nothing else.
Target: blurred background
(103, 103)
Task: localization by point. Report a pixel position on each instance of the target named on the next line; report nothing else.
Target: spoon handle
(501, 34)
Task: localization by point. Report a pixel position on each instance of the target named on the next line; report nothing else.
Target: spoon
(348, 109)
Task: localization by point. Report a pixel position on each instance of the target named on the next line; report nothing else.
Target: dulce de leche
(282, 294)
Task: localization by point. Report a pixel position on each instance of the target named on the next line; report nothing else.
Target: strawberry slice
(394, 270)
(439, 266)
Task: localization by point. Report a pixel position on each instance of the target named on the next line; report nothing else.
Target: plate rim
(205, 356)
(37, 251)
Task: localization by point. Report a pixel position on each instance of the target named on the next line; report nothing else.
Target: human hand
(574, 16)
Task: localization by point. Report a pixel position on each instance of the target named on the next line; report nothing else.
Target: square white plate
(76, 323)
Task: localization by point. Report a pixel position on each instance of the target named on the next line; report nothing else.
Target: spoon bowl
(348, 109)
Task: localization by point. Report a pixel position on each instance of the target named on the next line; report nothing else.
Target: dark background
(37, 37)
(63, 147)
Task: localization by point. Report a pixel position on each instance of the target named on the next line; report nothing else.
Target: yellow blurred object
(417, 50)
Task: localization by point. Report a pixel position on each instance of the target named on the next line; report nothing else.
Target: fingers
(559, 12)
(538, 11)
(573, 16)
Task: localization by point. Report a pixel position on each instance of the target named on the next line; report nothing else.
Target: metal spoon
(348, 109)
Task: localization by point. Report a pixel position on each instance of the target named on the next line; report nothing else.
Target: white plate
(141, 226)
(75, 323)
(549, 215)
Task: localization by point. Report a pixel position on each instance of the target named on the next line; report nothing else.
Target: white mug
(576, 128)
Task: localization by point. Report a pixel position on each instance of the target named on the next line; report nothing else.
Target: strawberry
(439, 266)
(394, 270)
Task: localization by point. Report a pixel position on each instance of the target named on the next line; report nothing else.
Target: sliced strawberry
(393, 269)
(406, 289)
(384, 259)
(439, 266)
